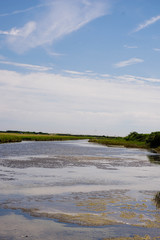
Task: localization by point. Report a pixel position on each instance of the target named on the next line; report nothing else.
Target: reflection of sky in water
(56, 176)
(40, 229)
(81, 147)
(113, 168)
(70, 179)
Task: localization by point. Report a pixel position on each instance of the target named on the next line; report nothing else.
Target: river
(77, 190)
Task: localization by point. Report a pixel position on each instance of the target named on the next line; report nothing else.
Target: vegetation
(6, 137)
(134, 139)
(157, 199)
(154, 140)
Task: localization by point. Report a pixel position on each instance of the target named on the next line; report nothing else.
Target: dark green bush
(134, 136)
(154, 139)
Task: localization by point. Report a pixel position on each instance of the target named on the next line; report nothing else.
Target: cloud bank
(79, 104)
(55, 22)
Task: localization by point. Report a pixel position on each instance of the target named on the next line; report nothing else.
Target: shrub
(134, 136)
(154, 139)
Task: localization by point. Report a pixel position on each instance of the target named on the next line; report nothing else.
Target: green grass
(133, 140)
(17, 137)
(119, 141)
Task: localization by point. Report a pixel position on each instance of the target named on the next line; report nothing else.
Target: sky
(80, 66)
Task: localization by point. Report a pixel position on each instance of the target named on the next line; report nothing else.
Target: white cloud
(21, 32)
(128, 62)
(74, 72)
(59, 19)
(12, 32)
(137, 79)
(147, 23)
(87, 73)
(57, 103)
(105, 75)
(27, 66)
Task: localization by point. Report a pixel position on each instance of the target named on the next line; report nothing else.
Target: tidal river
(78, 190)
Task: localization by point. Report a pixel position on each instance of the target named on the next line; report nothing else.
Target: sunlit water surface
(77, 190)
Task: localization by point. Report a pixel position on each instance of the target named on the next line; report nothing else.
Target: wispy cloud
(22, 10)
(128, 62)
(105, 75)
(87, 73)
(21, 32)
(27, 66)
(127, 46)
(74, 72)
(156, 49)
(147, 23)
(59, 19)
(137, 79)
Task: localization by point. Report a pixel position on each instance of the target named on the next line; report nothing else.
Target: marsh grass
(157, 199)
(18, 137)
(133, 140)
(119, 141)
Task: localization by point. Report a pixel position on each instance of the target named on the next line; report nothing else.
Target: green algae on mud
(95, 209)
(135, 237)
(82, 219)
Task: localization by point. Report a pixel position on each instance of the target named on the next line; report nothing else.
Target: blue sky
(80, 66)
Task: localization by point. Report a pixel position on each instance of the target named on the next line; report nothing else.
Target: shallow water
(77, 190)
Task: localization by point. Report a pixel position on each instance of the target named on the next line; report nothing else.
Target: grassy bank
(119, 141)
(133, 140)
(18, 137)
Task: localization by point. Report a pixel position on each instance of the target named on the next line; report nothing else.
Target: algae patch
(127, 215)
(83, 219)
(135, 237)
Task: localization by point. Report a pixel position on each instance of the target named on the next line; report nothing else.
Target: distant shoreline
(133, 140)
(6, 137)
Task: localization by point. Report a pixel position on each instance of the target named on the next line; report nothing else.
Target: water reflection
(157, 199)
(154, 158)
(77, 182)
